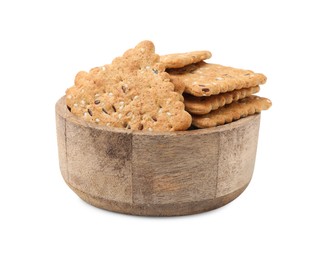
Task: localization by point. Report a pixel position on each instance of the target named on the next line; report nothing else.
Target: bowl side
(157, 174)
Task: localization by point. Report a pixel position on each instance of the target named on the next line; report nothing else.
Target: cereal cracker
(234, 111)
(203, 105)
(134, 92)
(204, 79)
(179, 60)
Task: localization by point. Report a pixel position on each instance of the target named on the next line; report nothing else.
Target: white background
(45, 43)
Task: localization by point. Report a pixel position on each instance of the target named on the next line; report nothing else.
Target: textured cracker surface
(205, 79)
(179, 60)
(134, 92)
(203, 105)
(234, 111)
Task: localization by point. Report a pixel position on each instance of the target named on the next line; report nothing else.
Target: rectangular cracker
(205, 79)
(179, 60)
(203, 105)
(234, 111)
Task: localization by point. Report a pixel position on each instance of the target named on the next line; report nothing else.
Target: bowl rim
(63, 111)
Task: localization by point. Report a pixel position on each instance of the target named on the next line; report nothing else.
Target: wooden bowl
(156, 173)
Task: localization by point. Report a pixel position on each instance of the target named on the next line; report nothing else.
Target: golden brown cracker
(179, 60)
(234, 111)
(205, 79)
(203, 105)
(134, 92)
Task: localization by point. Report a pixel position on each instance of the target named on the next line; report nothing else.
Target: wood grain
(156, 173)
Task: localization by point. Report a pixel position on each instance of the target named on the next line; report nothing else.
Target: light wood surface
(156, 173)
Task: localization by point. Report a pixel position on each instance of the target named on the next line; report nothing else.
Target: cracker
(179, 60)
(134, 92)
(204, 79)
(234, 111)
(203, 105)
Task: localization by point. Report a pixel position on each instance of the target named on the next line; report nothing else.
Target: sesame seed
(108, 124)
(69, 96)
(110, 94)
(120, 116)
(219, 78)
(168, 114)
(97, 102)
(136, 97)
(83, 102)
(97, 95)
(150, 129)
(97, 120)
(75, 105)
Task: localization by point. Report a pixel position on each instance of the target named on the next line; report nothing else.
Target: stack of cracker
(144, 91)
(214, 94)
